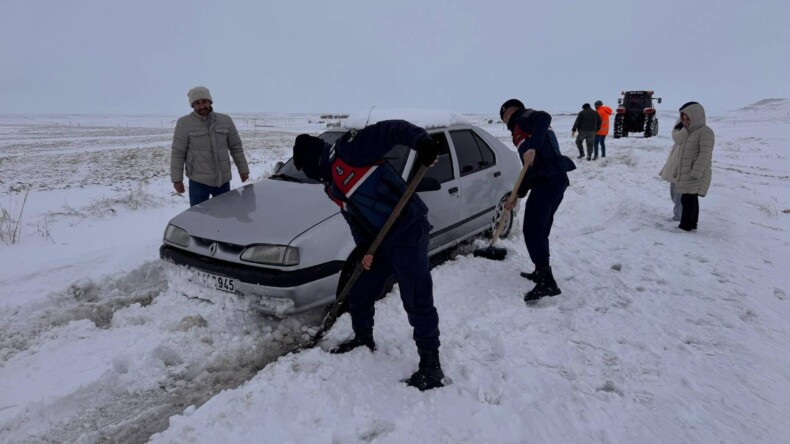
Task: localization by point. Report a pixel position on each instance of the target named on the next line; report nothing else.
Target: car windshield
(288, 172)
(397, 157)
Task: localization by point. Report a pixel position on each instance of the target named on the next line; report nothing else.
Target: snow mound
(768, 108)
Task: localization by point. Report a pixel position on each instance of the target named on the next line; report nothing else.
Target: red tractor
(636, 114)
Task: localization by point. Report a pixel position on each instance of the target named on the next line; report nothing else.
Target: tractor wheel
(618, 126)
(651, 127)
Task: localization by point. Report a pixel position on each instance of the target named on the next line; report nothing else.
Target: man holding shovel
(546, 179)
(368, 189)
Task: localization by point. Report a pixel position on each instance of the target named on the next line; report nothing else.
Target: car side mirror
(278, 166)
(619, 101)
(659, 100)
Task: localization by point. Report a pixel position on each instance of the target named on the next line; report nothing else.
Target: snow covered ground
(659, 336)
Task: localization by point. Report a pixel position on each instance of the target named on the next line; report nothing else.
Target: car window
(397, 157)
(473, 153)
(443, 170)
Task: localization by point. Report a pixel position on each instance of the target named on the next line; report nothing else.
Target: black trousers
(407, 258)
(542, 203)
(690, 215)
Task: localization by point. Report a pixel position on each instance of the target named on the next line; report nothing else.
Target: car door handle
(497, 174)
(453, 190)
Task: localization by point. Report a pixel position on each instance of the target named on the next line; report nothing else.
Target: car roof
(425, 118)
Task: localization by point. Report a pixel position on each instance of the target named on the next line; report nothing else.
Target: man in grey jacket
(203, 143)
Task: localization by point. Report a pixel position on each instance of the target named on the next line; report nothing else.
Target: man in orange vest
(600, 135)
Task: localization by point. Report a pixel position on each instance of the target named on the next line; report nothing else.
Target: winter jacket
(695, 154)
(204, 146)
(672, 165)
(604, 112)
(365, 185)
(587, 121)
(530, 130)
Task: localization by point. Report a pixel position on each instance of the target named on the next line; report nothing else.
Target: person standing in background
(694, 162)
(600, 136)
(670, 168)
(588, 122)
(203, 143)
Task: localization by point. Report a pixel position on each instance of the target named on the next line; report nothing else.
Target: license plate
(220, 283)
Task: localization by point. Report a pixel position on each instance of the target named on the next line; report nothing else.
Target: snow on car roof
(425, 118)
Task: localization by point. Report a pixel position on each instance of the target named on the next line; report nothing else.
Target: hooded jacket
(604, 112)
(691, 170)
(203, 146)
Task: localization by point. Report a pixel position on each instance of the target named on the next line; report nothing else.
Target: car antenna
(371, 110)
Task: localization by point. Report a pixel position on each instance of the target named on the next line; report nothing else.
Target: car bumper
(268, 290)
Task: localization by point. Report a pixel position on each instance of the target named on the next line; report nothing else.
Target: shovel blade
(493, 253)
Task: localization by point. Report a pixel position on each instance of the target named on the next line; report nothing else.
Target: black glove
(679, 126)
(427, 152)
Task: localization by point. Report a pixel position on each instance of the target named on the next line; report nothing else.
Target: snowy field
(659, 336)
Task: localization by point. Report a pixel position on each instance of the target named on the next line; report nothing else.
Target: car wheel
(510, 216)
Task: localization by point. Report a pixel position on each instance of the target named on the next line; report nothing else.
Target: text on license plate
(217, 282)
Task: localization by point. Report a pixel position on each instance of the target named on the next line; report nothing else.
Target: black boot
(429, 375)
(363, 337)
(531, 276)
(545, 286)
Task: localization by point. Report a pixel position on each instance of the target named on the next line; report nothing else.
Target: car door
(444, 204)
(480, 178)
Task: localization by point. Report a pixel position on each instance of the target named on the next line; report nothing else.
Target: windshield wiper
(285, 177)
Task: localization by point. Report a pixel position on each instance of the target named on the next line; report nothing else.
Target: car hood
(269, 211)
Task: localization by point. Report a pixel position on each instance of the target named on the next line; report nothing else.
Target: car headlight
(271, 254)
(176, 235)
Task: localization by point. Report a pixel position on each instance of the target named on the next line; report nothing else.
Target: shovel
(334, 312)
(492, 252)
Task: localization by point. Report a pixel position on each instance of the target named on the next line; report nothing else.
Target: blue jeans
(199, 193)
(599, 140)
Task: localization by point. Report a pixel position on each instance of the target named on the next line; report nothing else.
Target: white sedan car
(280, 245)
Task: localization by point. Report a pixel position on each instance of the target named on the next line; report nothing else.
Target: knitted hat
(598, 103)
(197, 93)
(586, 106)
(512, 102)
(307, 154)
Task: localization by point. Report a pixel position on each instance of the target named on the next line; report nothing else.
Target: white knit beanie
(197, 93)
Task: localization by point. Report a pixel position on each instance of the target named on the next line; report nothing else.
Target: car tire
(500, 207)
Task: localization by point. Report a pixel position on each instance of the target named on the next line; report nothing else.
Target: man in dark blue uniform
(545, 180)
(367, 189)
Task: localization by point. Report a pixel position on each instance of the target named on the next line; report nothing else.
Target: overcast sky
(142, 56)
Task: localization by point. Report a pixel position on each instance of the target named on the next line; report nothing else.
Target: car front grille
(270, 277)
